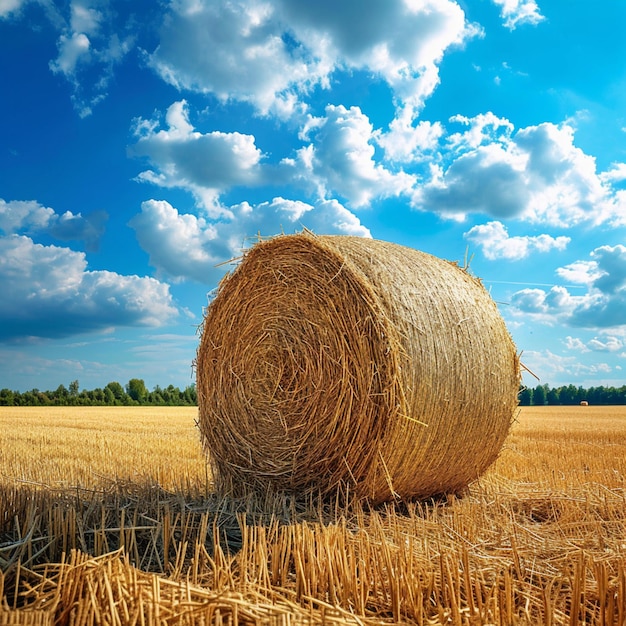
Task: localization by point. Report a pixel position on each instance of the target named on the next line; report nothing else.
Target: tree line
(134, 393)
(570, 394)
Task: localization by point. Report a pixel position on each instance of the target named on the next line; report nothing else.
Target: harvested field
(108, 516)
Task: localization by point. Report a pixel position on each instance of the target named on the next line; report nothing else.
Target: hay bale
(339, 362)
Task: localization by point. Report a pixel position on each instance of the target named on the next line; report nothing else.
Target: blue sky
(143, 144)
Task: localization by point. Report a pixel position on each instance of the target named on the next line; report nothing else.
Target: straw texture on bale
(331, 362)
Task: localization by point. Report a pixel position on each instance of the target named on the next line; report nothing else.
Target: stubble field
(107, 515)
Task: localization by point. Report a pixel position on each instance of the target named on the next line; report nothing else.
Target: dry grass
(92, 447)
(539, 539)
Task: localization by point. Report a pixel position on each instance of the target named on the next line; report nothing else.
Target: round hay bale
(336, 362)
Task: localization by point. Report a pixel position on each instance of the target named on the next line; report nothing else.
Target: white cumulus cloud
(604, 343)
(496, 243)
(337, 159)
(272, 54)
(406, 142)
(205, 164)
(7, 7)
(580, 272)
(20, 215)
(29, 217)
(341, 159)
(53, 294)
(557, 369)
(89, 48)
(72, 49)
(576, 344)
(85, 18)
(536, 174)
(610, 343)
(617, 174)
(602, 306)
(179, 245)
(516, 12)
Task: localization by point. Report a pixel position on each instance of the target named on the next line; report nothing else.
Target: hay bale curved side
(336, 361)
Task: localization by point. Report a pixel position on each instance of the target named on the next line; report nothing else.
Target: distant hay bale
(335, 362)
(584, 403)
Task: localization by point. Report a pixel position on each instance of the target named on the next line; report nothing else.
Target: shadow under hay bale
(333, 363)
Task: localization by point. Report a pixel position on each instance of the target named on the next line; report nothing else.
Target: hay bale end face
(331, 362)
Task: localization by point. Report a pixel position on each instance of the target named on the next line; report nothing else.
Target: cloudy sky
(143, 144)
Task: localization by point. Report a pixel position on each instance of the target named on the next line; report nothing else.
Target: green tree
(525, 396)
(7, 397)
(42, 398)
(190, 394)
(552, 397)
(136, 389)
(155, 396)
(596, 395)
(109, 398)
(568, 395)
(30, 398)
(74, 388)
(61, 395)
(539, 395)
(167, 394)
(118, 392)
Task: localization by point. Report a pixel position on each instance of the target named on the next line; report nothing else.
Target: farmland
(107, 516)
